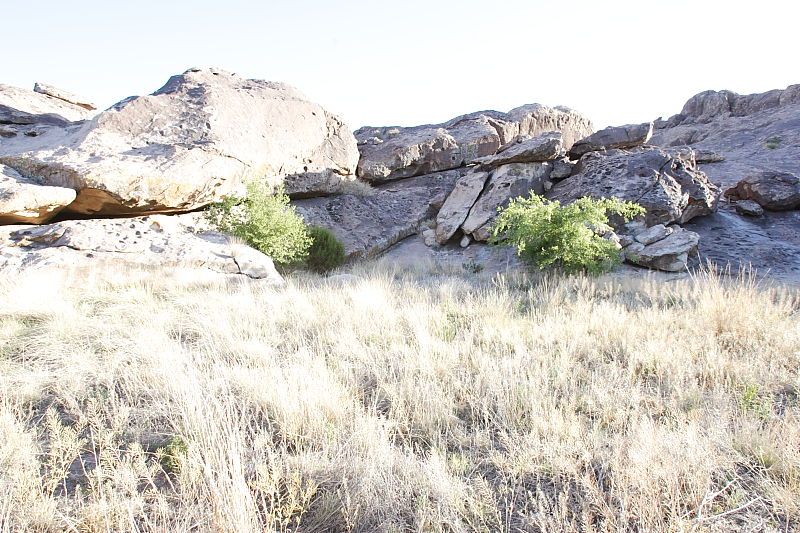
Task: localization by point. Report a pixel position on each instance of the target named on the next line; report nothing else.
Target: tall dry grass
(398, 401)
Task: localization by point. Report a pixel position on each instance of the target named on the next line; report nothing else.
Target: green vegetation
(548, 234)
(173, 454)
(326, 251)
(773, 142)
(267, 222)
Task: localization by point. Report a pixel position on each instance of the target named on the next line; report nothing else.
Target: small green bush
(547, 234)
(773, 142)
(267, 222)
(173, 454)
(325, 252)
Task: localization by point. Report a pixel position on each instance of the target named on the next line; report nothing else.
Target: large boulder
(150, 241)
(667, 184)
(628, 136)
(506, 182)
(369, 224)
(23, 201)
(190, 143)
(776, 191)
(389, 153)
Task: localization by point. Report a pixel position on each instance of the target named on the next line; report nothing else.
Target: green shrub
(173, 454)
(773, 142)
(266, 221)
(548, 234)
(325, 252)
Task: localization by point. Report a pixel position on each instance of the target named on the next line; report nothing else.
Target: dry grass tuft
(398, 401)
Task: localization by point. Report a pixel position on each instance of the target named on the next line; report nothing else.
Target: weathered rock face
(628, 136)
(505, 183)
(663, 248)
(667, 184)
(23, 201)
(368, 225)
(157, 240)
(190, 143)
(776, 191)
(391, 153)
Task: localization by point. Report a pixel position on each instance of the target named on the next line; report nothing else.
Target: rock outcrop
(150, 241)
(628, 136)
(23, 201)
(368, 225)
(390, 153)
(667, 184)
(748, 135)
(188, 144)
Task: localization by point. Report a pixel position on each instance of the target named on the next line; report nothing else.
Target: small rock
(465, 241)
(749, 208)
(429, 236)
(653, 234)
(562, 168)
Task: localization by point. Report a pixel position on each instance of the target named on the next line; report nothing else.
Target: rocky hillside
(719, 180)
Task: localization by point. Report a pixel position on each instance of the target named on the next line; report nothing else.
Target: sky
(415, 62)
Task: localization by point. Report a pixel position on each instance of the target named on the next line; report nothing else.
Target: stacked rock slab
(190, 143)
(390, 153)
(659, 247)
(520, 168)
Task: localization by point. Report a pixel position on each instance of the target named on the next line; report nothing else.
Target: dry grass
(399, 401)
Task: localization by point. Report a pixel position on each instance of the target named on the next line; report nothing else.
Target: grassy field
(398, 401)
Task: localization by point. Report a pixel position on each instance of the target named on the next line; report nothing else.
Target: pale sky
(414, 62)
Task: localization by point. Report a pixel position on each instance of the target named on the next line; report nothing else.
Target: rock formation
(198, 138)
(390, 153)
(188, 144)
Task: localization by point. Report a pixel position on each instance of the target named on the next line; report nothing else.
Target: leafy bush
(325, 252)
(546, 233)
(266, 221)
